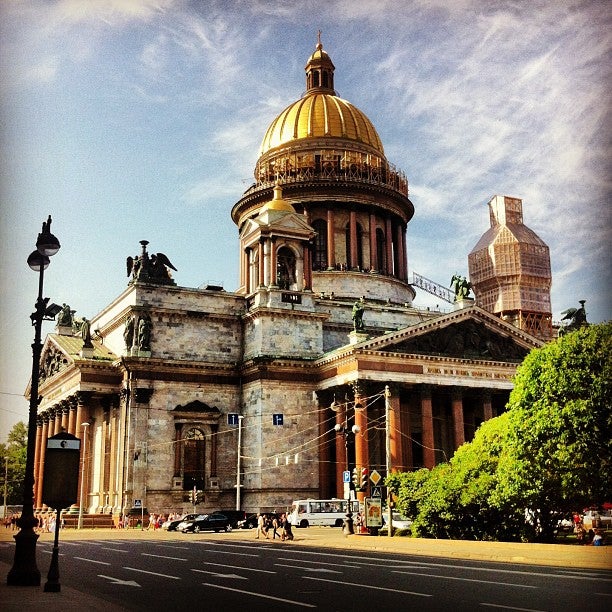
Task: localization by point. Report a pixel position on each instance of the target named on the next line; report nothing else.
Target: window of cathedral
(194, 459)
(319, 261)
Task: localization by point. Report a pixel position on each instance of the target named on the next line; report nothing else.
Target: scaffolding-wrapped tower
(510, 270)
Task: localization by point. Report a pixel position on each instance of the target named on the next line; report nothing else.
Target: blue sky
(141, 119)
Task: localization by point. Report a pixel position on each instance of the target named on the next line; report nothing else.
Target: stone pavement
(571, 556)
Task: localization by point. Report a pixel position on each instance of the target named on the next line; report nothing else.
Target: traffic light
(356, 478)
(363, 483)
(193, 496)
(199, 497)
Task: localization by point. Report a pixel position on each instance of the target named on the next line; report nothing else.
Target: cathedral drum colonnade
(323, 316)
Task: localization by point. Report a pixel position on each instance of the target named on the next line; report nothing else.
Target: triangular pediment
(199, 407)
(60, 352)
(471, 333)
(277, 223)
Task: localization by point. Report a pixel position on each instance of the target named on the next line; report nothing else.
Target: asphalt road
(216, 572)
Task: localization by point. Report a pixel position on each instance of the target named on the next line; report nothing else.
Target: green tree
(559, 451)
(549, 454)
(13, 454)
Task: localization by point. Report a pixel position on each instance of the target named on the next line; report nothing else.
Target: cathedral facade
(250, 397)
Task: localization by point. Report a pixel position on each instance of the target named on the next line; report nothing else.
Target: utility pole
(5, 483)
(238, 466)
(388, 457)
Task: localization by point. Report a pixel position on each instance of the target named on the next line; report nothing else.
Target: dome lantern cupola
(320, 71)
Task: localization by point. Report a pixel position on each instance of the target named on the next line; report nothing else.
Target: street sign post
(60, 489)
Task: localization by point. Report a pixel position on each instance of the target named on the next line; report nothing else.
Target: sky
(131, 120)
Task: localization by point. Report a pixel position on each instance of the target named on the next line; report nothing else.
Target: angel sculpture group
(461, 286)
(150, 268)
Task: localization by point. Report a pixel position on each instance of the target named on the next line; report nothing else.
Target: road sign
(232, 418)
(277, 419)
(375, 477)
(376, 492)
(346, 476)
(137, 503)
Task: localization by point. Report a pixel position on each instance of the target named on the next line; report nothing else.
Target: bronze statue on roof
(576, 317)
(147, 268)
(461, 287)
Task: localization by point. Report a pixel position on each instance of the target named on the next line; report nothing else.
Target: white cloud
(112, 12)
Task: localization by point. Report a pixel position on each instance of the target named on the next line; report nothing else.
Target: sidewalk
(24, 599)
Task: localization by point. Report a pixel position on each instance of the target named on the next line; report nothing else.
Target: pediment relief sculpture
(470, 340)
(52, 362)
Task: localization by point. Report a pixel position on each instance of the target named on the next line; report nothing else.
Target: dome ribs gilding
(323, 143)
(319, 115)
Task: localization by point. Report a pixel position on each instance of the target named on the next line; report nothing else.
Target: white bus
(329, 512)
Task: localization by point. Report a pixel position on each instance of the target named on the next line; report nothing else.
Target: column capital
(83, 397)
(426, 391)
(457, 393)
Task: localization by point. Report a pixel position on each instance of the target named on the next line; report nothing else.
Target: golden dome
(277, 202)
(321, 115)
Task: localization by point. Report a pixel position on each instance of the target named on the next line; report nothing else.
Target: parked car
(398, 520)
(565, 525)
(172, 525)
(250, 522)
(206, 522)
(234, 516)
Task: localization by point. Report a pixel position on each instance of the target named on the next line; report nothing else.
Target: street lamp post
(345, 430)
(238, 463)
(80, 524)
(25, 571)
(388, 458)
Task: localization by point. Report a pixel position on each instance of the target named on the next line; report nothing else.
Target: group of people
(10, 521)
(272, 526)
(593, 537)
(156, 521)
(45, 522)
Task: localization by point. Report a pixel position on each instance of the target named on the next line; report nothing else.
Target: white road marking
(322, 570)
(289, 601)
(219, 575)
(411, 573)
(163, 557)
(490, 605)
(225, 552)
(368, 586)
(135, 569)
(238, 567)
(92, 561)
(119, 581)
(115, 549)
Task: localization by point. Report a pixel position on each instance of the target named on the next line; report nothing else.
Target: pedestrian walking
(260, 526)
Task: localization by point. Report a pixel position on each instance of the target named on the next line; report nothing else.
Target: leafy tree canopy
(13, 452)
(549, 453)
